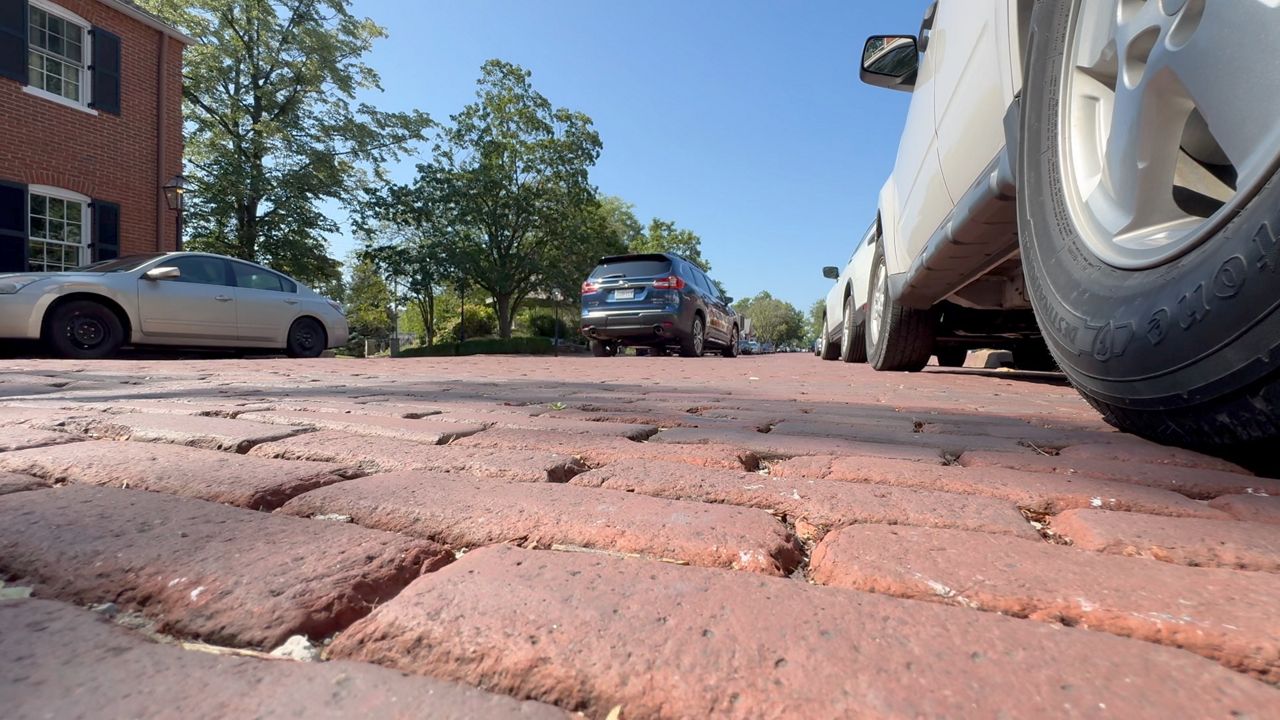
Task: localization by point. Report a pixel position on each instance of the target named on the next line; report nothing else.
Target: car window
(122, 264)
(632, 268)
(256, 278)
(704, 283)
(199, 270)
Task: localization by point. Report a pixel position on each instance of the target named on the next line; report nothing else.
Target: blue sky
(742, 120)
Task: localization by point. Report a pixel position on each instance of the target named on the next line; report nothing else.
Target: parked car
(1099, 176)
(656, 301)
(177, 299)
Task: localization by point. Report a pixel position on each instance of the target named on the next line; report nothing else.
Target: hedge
(484, 346)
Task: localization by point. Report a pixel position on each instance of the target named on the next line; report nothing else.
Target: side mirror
(163, 273)
(728, 299)
(890, 61)
(831, 272)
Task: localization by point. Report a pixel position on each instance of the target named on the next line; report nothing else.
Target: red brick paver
(429, 430)
(1185, 541)
(63, 662)
(204, 570)
(1193, 482)
(599, 451)
(1038, 491)
(466, 513)
(1069, 571)
(1257, 508)
(671, 642)
(213, 433)
(814, 505)
(377, 454)
(251, 482)
(1135, 597)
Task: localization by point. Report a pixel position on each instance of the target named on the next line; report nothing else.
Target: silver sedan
(183, 299)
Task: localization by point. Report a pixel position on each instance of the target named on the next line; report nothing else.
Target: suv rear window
(632, 268)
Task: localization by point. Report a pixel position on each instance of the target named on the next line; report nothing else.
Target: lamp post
(462, 310)
(174, 194)
(557, 296)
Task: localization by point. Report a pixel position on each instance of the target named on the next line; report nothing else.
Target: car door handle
(222, 298)
(291, 302)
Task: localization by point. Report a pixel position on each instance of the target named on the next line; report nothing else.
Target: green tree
(772, 320)
(621, 218)
(664, 236)
(272, 126)
(508, 185)
(368, 301)
(816, 311)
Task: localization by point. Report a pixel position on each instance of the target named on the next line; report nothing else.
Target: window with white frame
(56, 58)
(58, 228)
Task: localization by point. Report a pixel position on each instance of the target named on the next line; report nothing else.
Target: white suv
(1111, 166)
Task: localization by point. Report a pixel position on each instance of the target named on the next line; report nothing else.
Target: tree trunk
(504, 308)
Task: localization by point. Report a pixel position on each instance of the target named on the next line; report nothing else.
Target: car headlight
(13, 285)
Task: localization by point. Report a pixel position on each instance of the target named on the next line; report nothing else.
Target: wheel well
(317, 320)
(102, 300)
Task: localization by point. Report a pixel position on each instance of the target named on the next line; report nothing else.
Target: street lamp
(174, 192)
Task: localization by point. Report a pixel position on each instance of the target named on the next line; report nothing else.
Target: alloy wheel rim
(1167, 125)
(877, 302)
(697, 336)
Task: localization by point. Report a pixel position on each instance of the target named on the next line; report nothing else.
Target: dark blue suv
(658, 301)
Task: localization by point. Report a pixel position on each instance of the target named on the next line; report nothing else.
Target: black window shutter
(106, 230)
(13, 40)
(13, 227)
(106, 71)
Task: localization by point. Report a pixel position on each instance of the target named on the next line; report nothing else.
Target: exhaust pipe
(658, 330)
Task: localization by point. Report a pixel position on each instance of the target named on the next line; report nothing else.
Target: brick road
(764, 537)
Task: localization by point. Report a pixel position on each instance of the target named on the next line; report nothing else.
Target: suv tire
(693, 344)
(952, 357)
(600, 348)
(853, 339)
(1183, 349)
(830, 350)
(731, 350)
(898, 338)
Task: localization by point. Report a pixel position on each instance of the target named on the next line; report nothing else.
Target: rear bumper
(644, 326)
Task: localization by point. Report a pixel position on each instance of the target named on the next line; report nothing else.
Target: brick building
(90, 131)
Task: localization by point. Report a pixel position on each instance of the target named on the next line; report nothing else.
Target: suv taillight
(589, 287)
(671, 282)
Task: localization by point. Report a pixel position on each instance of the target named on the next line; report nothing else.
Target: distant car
(656, 300)
(177, 299)
(749, 347)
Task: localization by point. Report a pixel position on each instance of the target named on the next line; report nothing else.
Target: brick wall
(106, 157)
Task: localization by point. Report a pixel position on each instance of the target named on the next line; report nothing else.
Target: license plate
(628, 294)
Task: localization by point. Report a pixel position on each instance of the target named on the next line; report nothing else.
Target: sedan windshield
(124, 264)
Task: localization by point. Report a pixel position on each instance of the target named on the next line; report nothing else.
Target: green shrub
(484, 346)
(544, 325)
(480, 321)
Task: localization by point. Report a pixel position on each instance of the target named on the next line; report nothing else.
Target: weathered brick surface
(1256, 508)
(1185, 541)
(1196, 483)
(673, 642)
(205, 570)
(11, 415)
(13, 483)
(429, 430)
(548, 423)
(21, 438)
(815, 505)
(902, 433)
(464, 513)
(1135, 597)
(1133, 449)
(213, 433)
(376, 454)
(596, 451)
(1039, 492)
(64, 662)
(251, 482)
(770, 445)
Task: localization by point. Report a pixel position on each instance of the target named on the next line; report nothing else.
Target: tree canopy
(664, 236)
(273, 127)
(772, 320)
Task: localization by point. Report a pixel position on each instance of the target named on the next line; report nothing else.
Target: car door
(716, 315)
(267, 303)
(973, 86)
(197, 306)
(917, 174)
